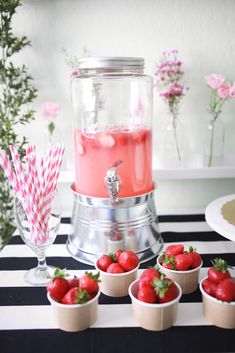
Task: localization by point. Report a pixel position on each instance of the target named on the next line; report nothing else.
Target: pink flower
(214, 80)
(50, 110)
(74, 73)
(224, 90)
(232, 91)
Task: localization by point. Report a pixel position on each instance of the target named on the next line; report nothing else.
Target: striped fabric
(27, 323)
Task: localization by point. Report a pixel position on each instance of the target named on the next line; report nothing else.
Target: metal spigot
(113, 181)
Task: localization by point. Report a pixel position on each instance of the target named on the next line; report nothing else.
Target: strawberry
(209, 287)
(58, 286)
(147, 277)
(121, 138)
(138, 136)
(219, 271)
(89, 282)
(196, 258)
(128, 260)
(73, 282)
(115, 255)
(75, 296)
(183, 262)
(106, 140)
(103, 262)
(94, 142)
(169, 262)
(166, 290)
(115, 268)
(169, 266)
(225, 290)
(173, 250)
(147, 295)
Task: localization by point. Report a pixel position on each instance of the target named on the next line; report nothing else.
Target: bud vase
(214, 145)
(172, 143)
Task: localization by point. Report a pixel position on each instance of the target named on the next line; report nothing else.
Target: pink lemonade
(95, 153)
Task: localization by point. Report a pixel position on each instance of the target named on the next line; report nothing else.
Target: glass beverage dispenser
(112, 136)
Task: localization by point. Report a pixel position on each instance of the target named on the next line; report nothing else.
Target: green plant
(16, 92)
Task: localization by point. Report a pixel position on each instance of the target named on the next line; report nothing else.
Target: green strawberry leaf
(94, 276)
(161, 286)
(59, 273)
(82, 296)
(220, 265)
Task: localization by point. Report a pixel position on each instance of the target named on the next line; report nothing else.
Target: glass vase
(173, 143)
(214, 145)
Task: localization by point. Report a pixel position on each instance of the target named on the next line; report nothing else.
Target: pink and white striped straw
(34, 185)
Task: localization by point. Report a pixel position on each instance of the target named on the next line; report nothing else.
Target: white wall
(202, 30)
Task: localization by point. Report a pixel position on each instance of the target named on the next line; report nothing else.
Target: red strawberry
(58, 285)
(94, 142)
(169, 266)
(173, 250)
(147, 295)
(183, 262)
(137, 136)
(219, 271)
(73, 282)
(226, 290)
(89, 282)
(121, 138)
(103, 262)
(115, 268)
(147, 277)
(196, 258)
(169, 262)
(116, 254)
(128, 260)
(166, 290)
(75, 296)
(209, 287)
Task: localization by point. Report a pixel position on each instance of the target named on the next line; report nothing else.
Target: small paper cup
(154, 317)
(116, 284)
(217, 312)
(188, 280)
(75, 317)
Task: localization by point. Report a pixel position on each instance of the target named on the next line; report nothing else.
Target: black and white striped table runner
(27, 323)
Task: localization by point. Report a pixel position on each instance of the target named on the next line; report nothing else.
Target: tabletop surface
(27, 324)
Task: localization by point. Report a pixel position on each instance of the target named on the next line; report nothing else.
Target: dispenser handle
(112, 181)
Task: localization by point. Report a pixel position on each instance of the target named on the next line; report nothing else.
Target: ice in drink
(96, 152)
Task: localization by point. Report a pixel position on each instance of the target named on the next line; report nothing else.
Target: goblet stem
(42, 264)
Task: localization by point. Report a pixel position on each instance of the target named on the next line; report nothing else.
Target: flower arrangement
(169, 82)
(50, 111)
(221, 91)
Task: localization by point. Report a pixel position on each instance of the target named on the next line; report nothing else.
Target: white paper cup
(217, 312)
(188, 280)
(154, 317)
(116, 284)
(75, 317)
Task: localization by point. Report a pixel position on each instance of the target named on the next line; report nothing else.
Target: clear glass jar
(214, 143)
(112, 127)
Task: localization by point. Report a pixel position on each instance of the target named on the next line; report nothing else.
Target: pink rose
(214, 80)
(232, 91)
(50, 110)
(224, 90)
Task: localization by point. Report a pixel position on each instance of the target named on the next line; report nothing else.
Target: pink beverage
(96, 153)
